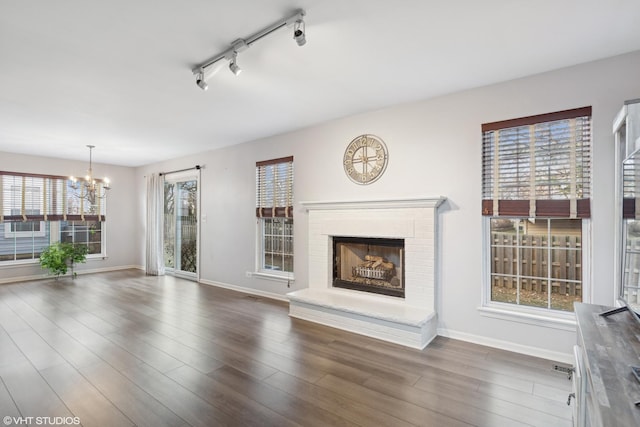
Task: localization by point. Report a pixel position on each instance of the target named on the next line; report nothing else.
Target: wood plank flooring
(124, 349)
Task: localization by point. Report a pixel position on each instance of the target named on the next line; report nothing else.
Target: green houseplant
(59, 257)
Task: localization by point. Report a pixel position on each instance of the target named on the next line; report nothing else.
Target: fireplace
(373, 265)
(400, 233)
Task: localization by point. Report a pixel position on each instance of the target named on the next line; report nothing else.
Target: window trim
(494, 206)
(540, 317)
(271, 205)
(621, 152)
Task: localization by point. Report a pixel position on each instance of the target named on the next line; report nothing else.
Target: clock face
(365, 159)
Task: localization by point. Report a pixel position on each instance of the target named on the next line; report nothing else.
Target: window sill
(543, 318)
(19, 263)
(26, 262)
(275, 277)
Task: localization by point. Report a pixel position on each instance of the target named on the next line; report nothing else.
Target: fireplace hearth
(373, 265)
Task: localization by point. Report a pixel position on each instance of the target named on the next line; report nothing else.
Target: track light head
(299, 33)
(202, 84)
(233, 66)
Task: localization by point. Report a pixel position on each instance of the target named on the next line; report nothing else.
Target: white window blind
(32, 197)
(274, 188)
(631, 187)
(538, 166)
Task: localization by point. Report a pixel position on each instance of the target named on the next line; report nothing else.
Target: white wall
(122, 249)
(435, 149)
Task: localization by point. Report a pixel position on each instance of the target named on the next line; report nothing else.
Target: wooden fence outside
(531, 264)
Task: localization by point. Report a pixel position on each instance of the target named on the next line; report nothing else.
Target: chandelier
(89, 187)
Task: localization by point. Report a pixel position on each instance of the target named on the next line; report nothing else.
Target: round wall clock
(365, 159)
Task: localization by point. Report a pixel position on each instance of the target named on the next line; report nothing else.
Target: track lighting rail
(209, 67)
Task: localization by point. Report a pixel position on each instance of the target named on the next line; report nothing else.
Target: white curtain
(155, 225)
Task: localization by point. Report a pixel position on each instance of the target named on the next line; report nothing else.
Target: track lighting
(233, 66)
(298, 32)
(209, 67)
(202, 84)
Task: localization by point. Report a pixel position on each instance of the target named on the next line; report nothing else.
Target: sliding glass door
(181, 225)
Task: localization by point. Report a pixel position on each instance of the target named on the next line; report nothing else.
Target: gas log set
(369, 265)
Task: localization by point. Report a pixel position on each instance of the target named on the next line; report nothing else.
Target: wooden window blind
(274, 188)
(33, 197)
(538, 166)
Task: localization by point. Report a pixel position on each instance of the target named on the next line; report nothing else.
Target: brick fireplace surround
(410, 321)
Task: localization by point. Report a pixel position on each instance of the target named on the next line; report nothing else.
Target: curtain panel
(154, 261)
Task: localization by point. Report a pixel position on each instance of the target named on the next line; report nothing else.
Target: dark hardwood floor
(122, 349)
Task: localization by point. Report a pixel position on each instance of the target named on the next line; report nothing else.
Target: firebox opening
(369, 264)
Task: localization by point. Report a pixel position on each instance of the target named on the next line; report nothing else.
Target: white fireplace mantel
(425, 202)
(409, 321)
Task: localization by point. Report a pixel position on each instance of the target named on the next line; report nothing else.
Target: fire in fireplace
(369, 264)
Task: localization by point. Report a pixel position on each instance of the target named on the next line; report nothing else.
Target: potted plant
(59, 257)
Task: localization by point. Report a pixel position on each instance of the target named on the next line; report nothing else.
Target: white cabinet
(606, 391)
(578, 391)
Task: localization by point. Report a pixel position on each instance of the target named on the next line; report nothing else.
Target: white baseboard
(250, 291)
(24, 278)
(107, 269)
(509, 346)
(80, 272)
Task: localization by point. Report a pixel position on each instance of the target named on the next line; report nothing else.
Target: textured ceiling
(117, 74)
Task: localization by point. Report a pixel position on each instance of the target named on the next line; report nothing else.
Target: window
(627, 137)
(536, 174)
(37, 210)
(277, 244)
(274, 212)
(24, 228)
(88, 233)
